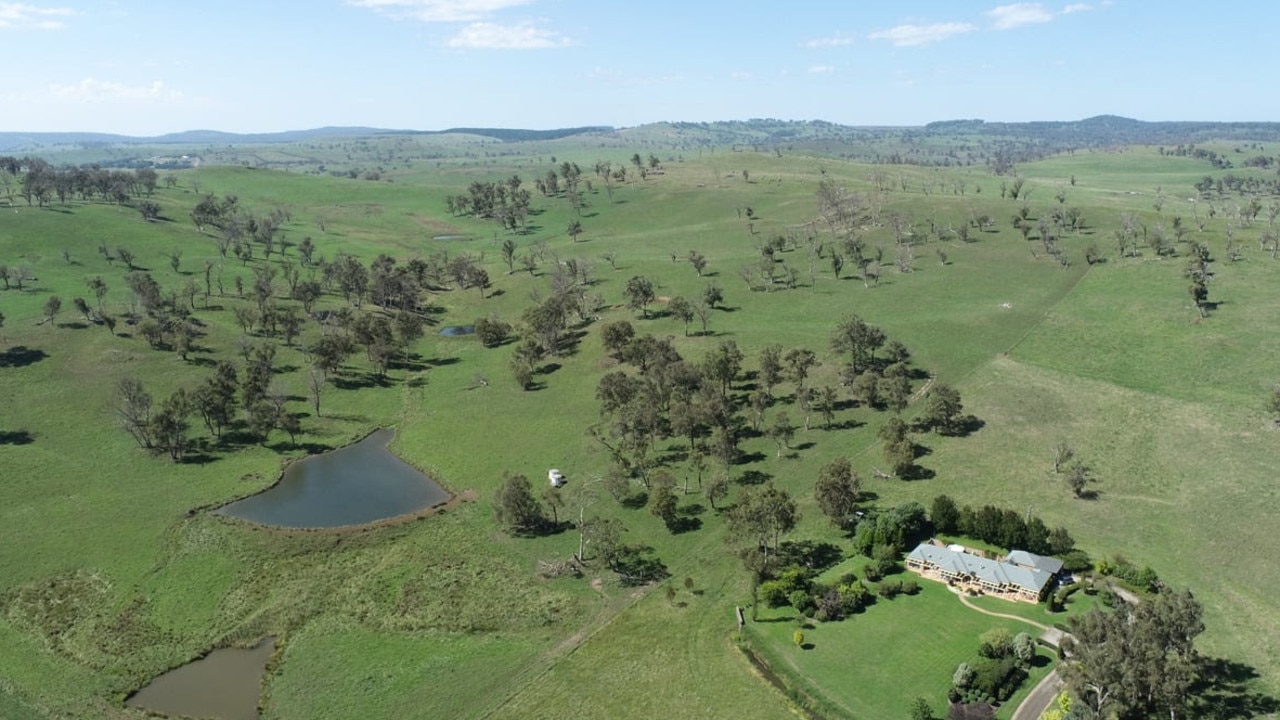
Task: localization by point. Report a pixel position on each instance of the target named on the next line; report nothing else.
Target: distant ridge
(1114, 130)
(512, 135)
(1040, 136)
(14, 141)
(10, 141)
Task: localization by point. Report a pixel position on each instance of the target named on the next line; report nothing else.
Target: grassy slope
(200, 580)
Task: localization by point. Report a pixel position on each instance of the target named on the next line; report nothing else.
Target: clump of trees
(993, 676)
(245, 401)
(505, 202)
(1136, 660)
(898, 527)
(1002, 527)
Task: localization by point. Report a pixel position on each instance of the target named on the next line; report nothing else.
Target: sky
(140, 67)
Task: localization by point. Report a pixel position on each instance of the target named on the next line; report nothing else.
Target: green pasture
(109, 572)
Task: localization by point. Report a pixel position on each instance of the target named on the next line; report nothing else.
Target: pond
(224, 684)
(450, 237)
(355, 485)
(458, 330)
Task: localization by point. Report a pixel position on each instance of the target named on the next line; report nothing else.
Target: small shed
(556, 477)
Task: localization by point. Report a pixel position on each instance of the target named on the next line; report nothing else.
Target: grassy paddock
(103, 533)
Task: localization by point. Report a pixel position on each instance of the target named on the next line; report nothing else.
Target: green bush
(990, 674)
(800, 600)
(1064, 593)
(854, 596)
(889, 589)
(774, 593)
(795, 578)
(1076, 561)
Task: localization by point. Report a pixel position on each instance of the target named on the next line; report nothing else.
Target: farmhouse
(1020, 576)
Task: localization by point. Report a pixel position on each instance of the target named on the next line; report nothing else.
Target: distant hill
(511, 135)
(1112, 130)
(21, 141)
(949, 142)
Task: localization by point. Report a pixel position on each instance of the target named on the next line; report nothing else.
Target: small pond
(355, 485)
(450, 237)
(224, 684)
(457, 330)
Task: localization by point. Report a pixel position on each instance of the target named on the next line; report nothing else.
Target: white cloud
(1076, 7)
(90, 90)
(21, 16)
(1007, 17)
(438, 10)
(836, 40)
(822, 69)
(918, 35)
(492, 36)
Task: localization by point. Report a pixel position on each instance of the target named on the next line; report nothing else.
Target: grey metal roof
(992, 571)
(1028, 559)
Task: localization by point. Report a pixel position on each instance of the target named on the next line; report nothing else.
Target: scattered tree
(837, 491)
(515, 507)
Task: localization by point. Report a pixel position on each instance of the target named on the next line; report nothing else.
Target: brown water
(225, 684)
(354, 485)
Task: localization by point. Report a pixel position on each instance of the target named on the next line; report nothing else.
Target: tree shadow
(198, 457)
(361, 382)
(16, 437)
(638, 565)
(915, 472)
(1226, 690)
(810, 554)
(754, 477)
(635, 501)
(964, 427)
(681, 525)
(21, 356)
(692, 510)
(346, 417)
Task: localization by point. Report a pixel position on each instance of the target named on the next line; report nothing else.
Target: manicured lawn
(874, 664)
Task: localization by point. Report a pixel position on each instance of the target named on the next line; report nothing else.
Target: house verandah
(1020, 576)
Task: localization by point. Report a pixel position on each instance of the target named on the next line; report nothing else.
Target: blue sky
(141, 68)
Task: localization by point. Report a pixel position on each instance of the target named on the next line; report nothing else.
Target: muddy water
(355, 485)
(225, 684)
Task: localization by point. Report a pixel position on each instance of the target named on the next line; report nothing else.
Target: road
(1041, 697)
